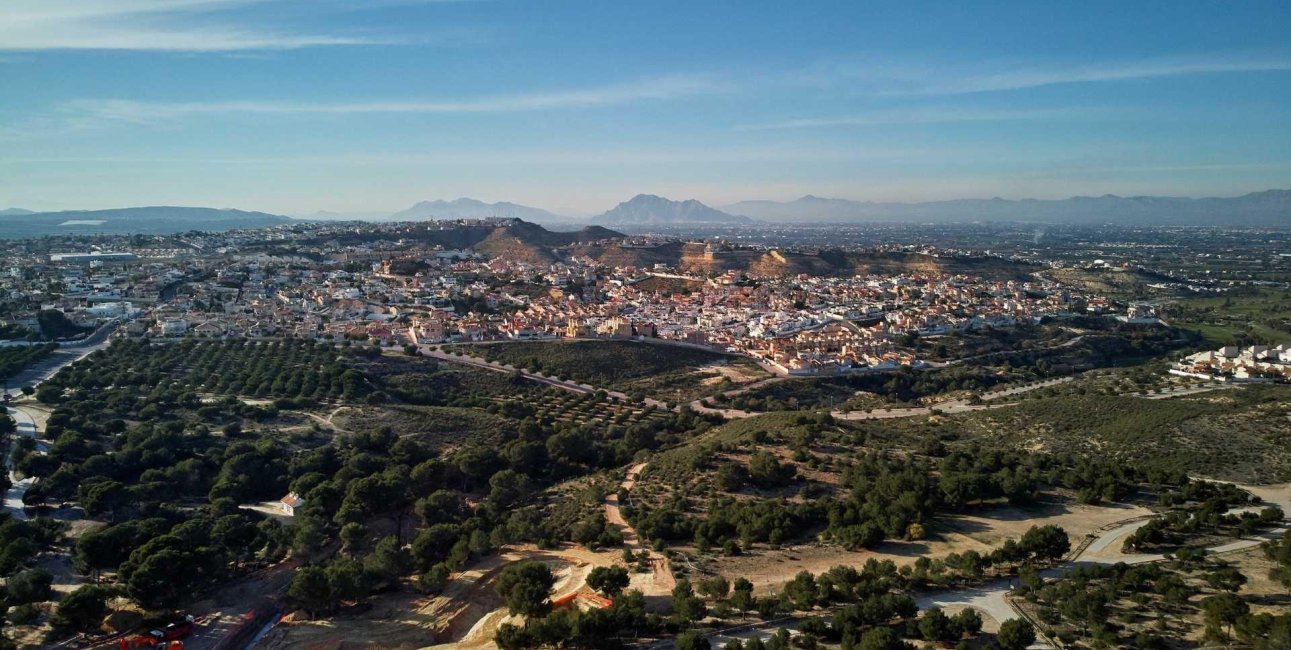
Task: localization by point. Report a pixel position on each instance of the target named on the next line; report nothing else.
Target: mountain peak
(651, 209)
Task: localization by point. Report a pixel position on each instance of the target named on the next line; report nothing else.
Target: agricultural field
(1247, 316)
(425, 381)
(580, 409)
(439, 427)
(663, 372)
(290, 369)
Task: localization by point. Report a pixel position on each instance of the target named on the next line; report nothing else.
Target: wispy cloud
(158, 25)
(137, 112)
(885, 76)
(504, 158)
(937, 115)
(95, 114)
(956, 79)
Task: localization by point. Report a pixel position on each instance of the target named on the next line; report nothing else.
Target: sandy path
(659, 581)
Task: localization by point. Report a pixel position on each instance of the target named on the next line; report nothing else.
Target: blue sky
(372, 105)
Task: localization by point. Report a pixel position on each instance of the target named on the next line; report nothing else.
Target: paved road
(33, 376)
(65, 355)
(13, 496)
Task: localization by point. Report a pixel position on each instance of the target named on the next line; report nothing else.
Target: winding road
(33, 376)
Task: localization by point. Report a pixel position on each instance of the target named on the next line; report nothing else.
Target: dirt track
(468, 612)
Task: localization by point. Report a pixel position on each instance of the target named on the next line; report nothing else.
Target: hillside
(650, 209)
(529, 242)
(1237, 435)
(1269, 208)
(144, 220)
(697, 258)
(1134, 283)
(509, 239)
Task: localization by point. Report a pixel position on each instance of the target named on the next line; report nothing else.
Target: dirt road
(659, 581)
(990, 598)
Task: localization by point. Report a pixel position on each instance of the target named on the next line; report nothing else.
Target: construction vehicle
(169, 637)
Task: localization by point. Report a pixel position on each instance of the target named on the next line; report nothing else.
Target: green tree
(692, 640)
(767, 471)
(1223, 609)
(686, 607)
(968, 621)
(1046, 542)
(353, 535)
(30, 586)
(525, 588)
(934, 625)
(346, 580)
(880, 638)
(715, 587)
(389, 561)
(82, 609)
(608, 580)
(1016, 634)
(310, 590)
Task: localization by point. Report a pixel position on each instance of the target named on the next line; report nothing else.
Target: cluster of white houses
(1233, 363)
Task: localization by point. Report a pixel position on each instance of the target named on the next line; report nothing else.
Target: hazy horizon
(292, 107)
(583, 216)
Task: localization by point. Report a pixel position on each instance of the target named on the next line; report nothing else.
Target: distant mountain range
(465, 208)
(1269, 208)
(153, 220)
(651, 209)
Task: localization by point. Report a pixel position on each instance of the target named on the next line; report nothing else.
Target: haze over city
(292, 107)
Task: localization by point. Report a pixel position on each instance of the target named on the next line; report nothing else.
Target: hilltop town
(395, 290)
